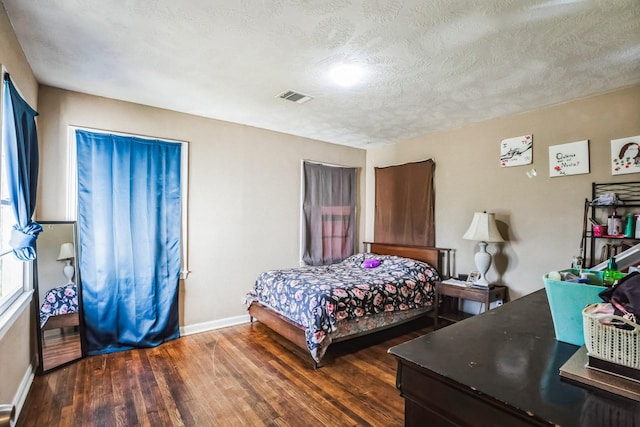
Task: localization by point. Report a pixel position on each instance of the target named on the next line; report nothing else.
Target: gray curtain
(405, 211)
(330, 213)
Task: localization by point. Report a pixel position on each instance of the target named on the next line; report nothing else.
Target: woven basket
(606, 342)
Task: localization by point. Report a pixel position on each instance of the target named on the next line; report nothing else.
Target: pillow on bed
(400, 265)
(358, 260)
(394, 265)
(362, 258)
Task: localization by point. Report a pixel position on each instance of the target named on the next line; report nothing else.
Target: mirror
(57, 291)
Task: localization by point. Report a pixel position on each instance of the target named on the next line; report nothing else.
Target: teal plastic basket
(567, 300)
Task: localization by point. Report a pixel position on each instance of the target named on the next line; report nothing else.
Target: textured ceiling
(430, 65)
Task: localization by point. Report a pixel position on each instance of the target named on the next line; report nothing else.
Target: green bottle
(629, 228)
(610, 274)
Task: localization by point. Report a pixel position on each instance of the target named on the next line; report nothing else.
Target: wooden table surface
(509, 358)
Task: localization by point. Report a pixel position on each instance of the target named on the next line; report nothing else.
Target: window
(11, 268)
(336, 238)
(72, 185)
(329, 213)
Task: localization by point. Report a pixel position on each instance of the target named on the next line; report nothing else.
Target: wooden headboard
(437, 257)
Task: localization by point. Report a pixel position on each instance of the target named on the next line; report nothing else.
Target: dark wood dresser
(501, 368)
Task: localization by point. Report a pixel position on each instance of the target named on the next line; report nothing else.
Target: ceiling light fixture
(346, 74)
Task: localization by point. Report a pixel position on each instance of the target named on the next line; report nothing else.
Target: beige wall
(541, 218)
(17, 347)
(244, 191)
(17, 350)
(244, 194)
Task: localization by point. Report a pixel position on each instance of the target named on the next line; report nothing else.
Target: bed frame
(61, 321)
(437, 257)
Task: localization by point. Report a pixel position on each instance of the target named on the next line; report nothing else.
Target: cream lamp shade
(483, 229)
(67, 253)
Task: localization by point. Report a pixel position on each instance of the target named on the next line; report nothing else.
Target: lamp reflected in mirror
(67, 254)
(58, 294)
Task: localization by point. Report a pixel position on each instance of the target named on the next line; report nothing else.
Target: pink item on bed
(371, 263)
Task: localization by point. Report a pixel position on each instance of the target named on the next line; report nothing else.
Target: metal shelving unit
(628, 196)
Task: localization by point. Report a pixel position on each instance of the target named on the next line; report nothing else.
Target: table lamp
(67, 254)
(483, 229)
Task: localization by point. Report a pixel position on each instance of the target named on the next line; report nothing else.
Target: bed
(316, 306)
(59, 308)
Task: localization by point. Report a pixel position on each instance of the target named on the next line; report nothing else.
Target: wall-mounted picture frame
(569, 159)
(516, 151)
(625, 155)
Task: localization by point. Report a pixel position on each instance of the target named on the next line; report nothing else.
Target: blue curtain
(129, 224)
(21, 151)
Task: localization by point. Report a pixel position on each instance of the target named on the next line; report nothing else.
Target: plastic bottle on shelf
(628, 231)
(614, 224)
(637, 233)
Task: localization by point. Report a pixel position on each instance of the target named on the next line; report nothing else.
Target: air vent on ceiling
(296, 97)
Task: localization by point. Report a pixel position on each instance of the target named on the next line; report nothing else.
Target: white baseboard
(23, 390)
(214, 324)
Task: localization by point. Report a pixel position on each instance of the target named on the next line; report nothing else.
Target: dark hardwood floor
(243, 375)
(60, 346)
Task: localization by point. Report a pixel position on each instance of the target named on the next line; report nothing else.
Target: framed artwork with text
(569, 159)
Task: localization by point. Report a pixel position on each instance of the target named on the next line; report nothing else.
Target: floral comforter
(319, 297)
(57, 301)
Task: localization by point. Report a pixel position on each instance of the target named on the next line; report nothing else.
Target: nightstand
(448, 309)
